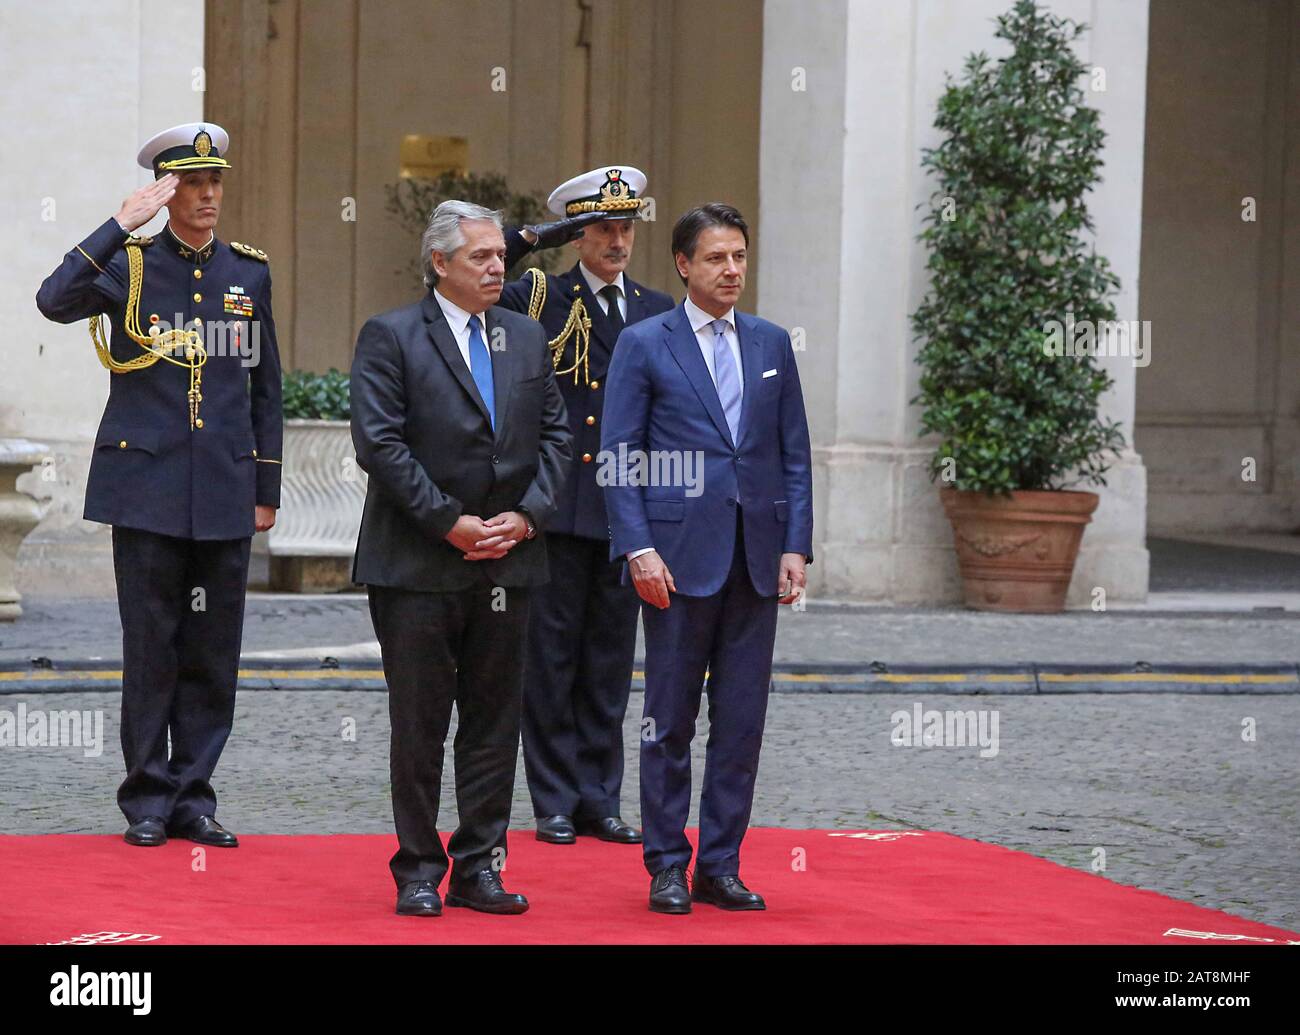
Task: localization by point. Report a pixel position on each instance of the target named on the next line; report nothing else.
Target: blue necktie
(480, 365)
(727, 379)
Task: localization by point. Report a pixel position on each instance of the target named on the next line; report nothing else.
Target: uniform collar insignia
(185, 251)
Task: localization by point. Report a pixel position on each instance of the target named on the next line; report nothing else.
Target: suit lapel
(503, 372)
(685, 348)
(445, 343)
(751, 361)
(635, 303)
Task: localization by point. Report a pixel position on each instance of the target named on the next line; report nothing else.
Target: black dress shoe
(556, 830)
(207, 831)
(418, 898)
(611, 828)
(725, 893)
(146, 833)
(668, 892)
(483, 891)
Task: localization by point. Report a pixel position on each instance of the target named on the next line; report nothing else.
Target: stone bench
(19, 514)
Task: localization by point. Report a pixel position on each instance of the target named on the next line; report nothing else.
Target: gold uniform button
(199, 423)
(255, 452)
(595, 385)
(591, 420)
(198, 321)
(198, 297)
(198, 274)
(122, 444)
(586, 458)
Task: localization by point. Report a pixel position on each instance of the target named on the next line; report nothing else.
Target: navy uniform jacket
(149, 469)
(580, 506)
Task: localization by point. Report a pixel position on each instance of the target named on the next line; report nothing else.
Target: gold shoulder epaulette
(249, 251)
(142, 240)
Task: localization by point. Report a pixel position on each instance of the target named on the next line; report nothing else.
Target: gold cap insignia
(203, 144)
(614, 187)
(616, 195)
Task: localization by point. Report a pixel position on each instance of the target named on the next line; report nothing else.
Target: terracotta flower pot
(1017, 553)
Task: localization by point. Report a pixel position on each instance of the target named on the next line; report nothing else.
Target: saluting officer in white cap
(186, 465)
(582, 631)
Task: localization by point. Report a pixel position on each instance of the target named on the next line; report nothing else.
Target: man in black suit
(458, 421)
(581, 645)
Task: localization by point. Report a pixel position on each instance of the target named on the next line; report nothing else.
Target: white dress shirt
(702, 325)
(597, 285)
(458, 321)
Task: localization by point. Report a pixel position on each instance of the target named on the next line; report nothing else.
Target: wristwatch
(528, 520)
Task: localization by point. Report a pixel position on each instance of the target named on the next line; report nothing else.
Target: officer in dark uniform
(582, 628)
(186, 466)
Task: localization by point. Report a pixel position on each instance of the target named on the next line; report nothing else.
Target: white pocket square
(769, 373)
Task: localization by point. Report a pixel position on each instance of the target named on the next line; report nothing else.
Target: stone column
(848, 103)
(86, 83)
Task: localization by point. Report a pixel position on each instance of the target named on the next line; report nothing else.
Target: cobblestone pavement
(86, 629)
(1164, 783)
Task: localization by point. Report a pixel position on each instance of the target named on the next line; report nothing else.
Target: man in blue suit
(707, 471)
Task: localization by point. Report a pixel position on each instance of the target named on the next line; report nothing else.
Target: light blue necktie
(727, 379)
(480, 365)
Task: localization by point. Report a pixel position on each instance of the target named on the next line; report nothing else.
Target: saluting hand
(562, 231)
(144, 204)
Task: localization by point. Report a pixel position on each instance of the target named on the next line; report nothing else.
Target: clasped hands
(488, 540)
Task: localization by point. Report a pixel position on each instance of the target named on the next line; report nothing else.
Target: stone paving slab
(311, 626)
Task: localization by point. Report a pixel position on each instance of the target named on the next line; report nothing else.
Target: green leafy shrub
(1007, 255)
(412, 201)
(316, 396)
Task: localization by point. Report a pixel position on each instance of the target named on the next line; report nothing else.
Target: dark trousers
(731, 635)
(182, 607)
(581, 642)
(464, 647)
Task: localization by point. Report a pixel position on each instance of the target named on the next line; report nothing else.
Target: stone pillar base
(881, 534)
(310, 574)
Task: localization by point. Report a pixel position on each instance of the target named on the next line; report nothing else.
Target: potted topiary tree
(1009, 266)
(322, 491)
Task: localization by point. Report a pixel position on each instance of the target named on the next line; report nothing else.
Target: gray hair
(444, 233)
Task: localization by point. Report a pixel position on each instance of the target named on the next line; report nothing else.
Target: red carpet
(886, 887)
